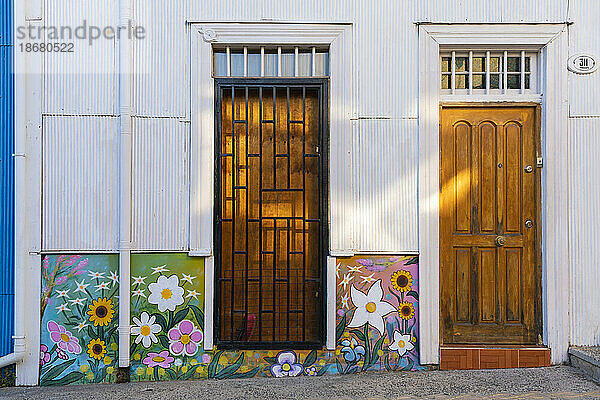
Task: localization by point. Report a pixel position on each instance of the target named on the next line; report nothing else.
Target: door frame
(323, 85)
(552, 42)
(538, 315)
(340, 37)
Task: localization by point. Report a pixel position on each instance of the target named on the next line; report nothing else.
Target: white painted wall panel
(386, 46)
(84, 81)
(79, 200)
(160, 83)
(160, 184)
(492, 10)
(385, 174)
(584, 36)
(584, 218)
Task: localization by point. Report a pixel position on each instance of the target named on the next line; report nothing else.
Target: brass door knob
(500, 241)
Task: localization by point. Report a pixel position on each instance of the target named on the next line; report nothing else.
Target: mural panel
(167, 308)
(377, 323)
(79, 319)
(377, 307)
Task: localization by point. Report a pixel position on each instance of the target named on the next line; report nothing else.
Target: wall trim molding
(551, 40)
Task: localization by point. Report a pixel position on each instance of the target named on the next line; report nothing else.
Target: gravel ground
(560, 382)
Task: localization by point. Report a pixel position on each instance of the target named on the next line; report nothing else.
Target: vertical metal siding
(7, 183)
(387, 58)
(160, 211)
(584, 36)
(584, 221)
(160, 59)
(80, 183)
(83, 82)
(492, 10)
(385, 175)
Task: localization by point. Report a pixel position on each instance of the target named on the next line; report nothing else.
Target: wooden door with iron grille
(270, 231)
(490, 290)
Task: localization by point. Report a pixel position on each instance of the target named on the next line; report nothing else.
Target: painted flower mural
(380, 307)
(377, 322)
(286, 365)
(63, 338)
(101, 311)
(370, 307)
(352, 351)
(402, 343)
(162, 359)
(166, 293)
(79, 328)
(185, 338)
(145, 329)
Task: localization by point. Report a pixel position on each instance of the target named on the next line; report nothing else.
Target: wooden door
(270, 210)
(490, 292)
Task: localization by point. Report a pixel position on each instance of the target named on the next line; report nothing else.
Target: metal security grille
(270, 207)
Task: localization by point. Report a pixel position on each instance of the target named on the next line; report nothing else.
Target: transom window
(277, 61)
(488, 72)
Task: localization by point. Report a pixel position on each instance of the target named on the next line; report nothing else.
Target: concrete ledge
(587, 360)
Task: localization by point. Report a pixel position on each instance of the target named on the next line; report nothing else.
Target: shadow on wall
(377, 322)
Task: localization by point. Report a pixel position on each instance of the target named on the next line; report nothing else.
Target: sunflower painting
(101, 311)
(79, 337)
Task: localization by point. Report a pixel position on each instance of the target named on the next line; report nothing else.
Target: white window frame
(552, 42)
(342, 110)
(524, 94)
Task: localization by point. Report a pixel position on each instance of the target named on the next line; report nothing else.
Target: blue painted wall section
(7, 184)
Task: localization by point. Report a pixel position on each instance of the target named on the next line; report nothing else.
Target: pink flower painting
(63, 338)
(185, 338)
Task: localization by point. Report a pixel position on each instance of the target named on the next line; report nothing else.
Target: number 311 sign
(582, 63)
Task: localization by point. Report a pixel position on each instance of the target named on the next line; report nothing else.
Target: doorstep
(587, 360)
(492, 357)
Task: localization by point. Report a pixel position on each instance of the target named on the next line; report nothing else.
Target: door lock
(529, 169)
(529, 223)
(500, 241)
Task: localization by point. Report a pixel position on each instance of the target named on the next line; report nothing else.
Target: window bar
(304, 208)
(274, 187)
(287, 303)
(228, 52)
(522, 71)
(313, 70)
(245, 61)
(470, 72)
(275, 313)
(453, 80)
(245, 324)
(295, 65)
(233, 182)
(279, 72)
(260, 239)
(505, 72)
(487, 72)
(262, 65)
(289, 179)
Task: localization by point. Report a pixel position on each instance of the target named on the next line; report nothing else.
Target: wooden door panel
(488, 284)
(463, 263)
(487, 180)
(462, 183)
(488, 291)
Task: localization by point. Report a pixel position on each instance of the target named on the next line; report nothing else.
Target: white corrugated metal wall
(82, 107)
(584, 147)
